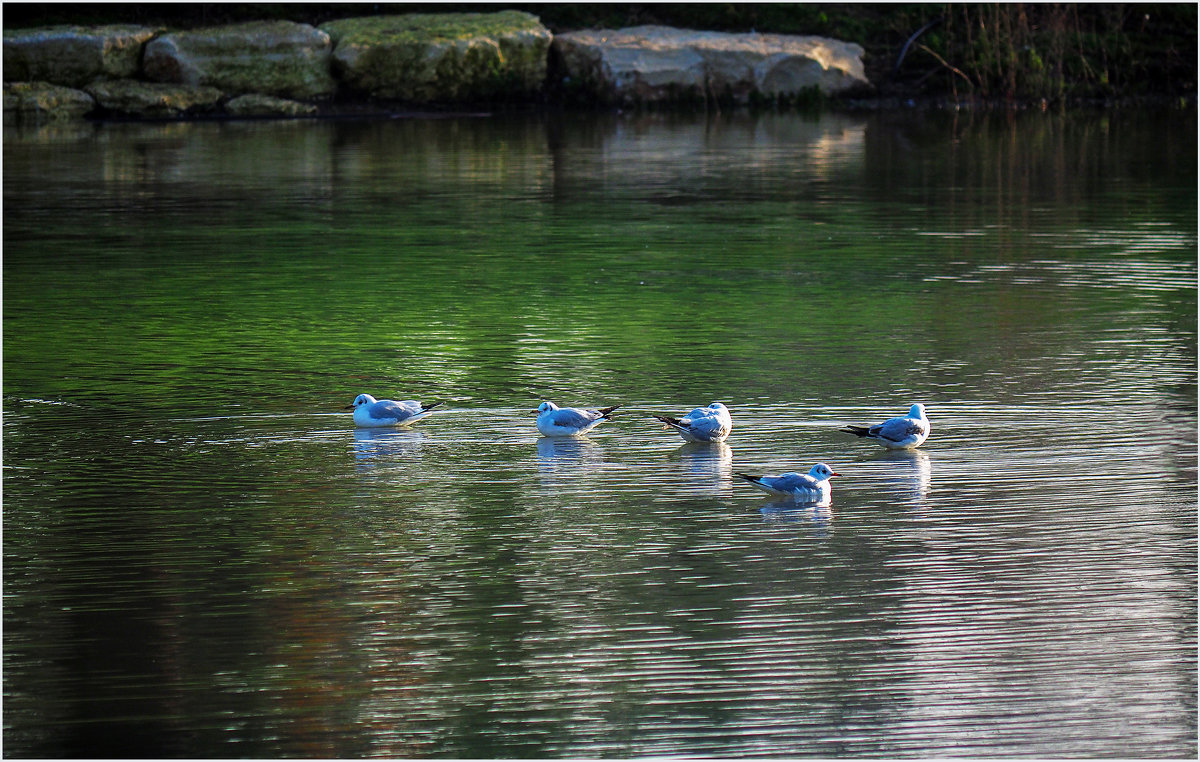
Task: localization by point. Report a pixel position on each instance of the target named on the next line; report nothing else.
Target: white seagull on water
(555, 421)
(812, 487)
(369, 411)
(704, 424)
(902, 433)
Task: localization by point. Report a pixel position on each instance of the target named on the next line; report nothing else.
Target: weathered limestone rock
(280, 58)
(73, 55)
(42, 100)
(654, 63)
(127, 96)
(265, 105)
(442, 57)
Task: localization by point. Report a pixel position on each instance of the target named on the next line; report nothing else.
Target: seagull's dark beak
(348, 407)
(834, 473)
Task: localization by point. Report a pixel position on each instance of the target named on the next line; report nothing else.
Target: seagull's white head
(359, 401)
(546, 407)
(917, 411)
(718, 407)
(821, 472)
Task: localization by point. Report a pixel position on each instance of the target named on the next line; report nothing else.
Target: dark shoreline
(379, 111)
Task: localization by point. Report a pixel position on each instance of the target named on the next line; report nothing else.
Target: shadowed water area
(204, 557)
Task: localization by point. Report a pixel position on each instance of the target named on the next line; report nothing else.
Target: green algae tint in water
(203, 557)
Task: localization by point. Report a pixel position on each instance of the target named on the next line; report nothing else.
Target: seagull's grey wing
(897, 429)
(572, 416)
(792, 481)
(393, 409)
(808, 483)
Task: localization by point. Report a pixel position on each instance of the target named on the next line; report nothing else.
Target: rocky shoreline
(285, 69)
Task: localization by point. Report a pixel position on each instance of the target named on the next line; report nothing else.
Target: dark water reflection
(203, 557)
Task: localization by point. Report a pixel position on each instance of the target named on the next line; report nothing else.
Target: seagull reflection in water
(564, 459)
(907, 476)
(788, 511)
(553, 451)
(707, 465)
(370, 444)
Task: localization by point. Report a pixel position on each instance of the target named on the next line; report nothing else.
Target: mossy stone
(73, 55)
(151, 99)
(43, 100)
(279, 58)
(254, 104)
(441, 57)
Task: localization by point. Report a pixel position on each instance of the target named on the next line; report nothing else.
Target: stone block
(280, 58)
(422, 58)
(153, 99)
(266, 105)
(654, 63)
(42, 100)
(72, 56)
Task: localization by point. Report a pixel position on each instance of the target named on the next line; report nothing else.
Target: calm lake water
(204, 558)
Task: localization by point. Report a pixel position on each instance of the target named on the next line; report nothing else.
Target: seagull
(812, 487)
(902, 433)
(555, 421)
(369, 411)
(704, 424)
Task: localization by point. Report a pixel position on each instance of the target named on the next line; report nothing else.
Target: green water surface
(203, 557)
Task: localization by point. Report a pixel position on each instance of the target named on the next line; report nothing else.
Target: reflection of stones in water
(375, 443)
(908, 475)
(706, 464)
(791, 511)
